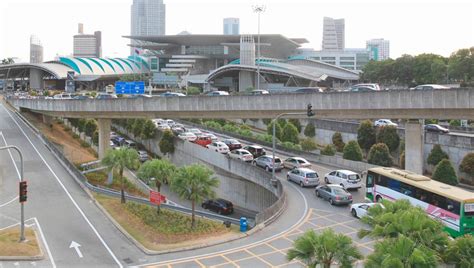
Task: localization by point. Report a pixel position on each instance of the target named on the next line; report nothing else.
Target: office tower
(87, 45)
(333, 34)
(379, 49)
(148, 18)
(231, 26)
(36, 50)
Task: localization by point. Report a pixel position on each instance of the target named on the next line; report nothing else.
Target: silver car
(296, 162)
(142, 156)
(266, 162)
(335, 194)
(303, 176)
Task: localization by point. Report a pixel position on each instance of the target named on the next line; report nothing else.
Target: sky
(413, 27)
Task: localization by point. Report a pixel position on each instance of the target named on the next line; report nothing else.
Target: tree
(308, 145)
(167, 142)
(81, 124)
(90, 127)
(290, 134)
(338, 142)
(310, 130)
(467, 164)
(329, 150)
(296, 123)
(366, 135)
(8, 61)
(278, 130)
(460, 252)
(379, 155)
(322, 249)
(121, 159)
(444, 172)
(352, 151)
(137, 127)
(389, 136)
(149, 130)
(436, 155)
(401, 252)
(282, 122)
(194, 183)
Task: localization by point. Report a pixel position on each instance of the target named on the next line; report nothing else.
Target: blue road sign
(137, 87)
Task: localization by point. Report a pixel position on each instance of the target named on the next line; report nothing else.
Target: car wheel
(342, 185)
(331, 202)
(378, 199)
(301, 184)
(326, 180)
(267, 168)
(354, 213)
(317, 193)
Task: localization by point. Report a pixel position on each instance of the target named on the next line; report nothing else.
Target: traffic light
(23, 191)
(310, 110)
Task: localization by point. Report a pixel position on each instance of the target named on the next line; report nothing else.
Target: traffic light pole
(22, 224)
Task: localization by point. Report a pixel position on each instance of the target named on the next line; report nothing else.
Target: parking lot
(272, 253)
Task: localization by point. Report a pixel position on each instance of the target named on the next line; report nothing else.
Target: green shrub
(245, 127)
(431, 121)
(149, 130)
(95, 138)
(455, 123)
(85, 144)
(291, 145)
(308, 145)
(467, 164)
(230, 128)
(266, 121)
(195, 120)
(193, 91)
(81, 124)
(137, 128)
(212, 124)
(167, 142)
(266, 138)
(436, 155)
(402, 160)
(222, 122)
(129, 125)
(352, 151)
(389, 136)
(245, 132)
(338, 142)
(278, 130)
(296, 123)
(310, 130)
(328, 150)
(380, 155)
(90, 127)
(75, 136)
(290, 134)
(366, 135)
(282, 122)
(444, 172)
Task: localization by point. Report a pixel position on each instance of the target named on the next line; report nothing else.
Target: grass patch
(163, 231)
(100, 179)
(9, 245)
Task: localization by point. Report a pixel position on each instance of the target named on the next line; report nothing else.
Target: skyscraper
(231, 26)
(87, 45)
(148, 18)
(379, 49)
(333, 34)
(36, 50)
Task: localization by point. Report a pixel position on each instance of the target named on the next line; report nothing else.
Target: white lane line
(67, 192)
(45, 242)
(244, 246)
(11, 201)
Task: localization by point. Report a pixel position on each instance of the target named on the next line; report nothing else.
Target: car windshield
(301, 161)
(311, 175)
(353, 177)
(340, 191)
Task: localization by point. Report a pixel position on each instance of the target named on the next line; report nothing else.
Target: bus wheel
(378, 199)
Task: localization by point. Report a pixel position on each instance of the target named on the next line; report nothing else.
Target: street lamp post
(258, 9)
(22, 224)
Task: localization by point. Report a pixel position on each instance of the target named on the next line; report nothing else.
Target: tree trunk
(327, 264)
(122, 192)
(192, 214)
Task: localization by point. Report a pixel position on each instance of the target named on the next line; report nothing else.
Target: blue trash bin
(243, 224)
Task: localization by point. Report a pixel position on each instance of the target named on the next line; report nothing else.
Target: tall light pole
(258, 9)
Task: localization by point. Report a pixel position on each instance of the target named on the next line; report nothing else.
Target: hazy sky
(413, 27)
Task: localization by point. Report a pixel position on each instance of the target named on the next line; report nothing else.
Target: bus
(453, 206)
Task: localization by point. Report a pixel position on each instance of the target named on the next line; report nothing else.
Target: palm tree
(121, 158)
(194, 183)
(460, 252)
(401, 252)
(313, 249)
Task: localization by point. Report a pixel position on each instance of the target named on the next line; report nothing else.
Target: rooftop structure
(333, 34)
(148, 18)
(36, 50)
(87, 45)
(231, 26)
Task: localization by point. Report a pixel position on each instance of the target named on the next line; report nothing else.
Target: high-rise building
(379, 49)
(333, 34)
(148, 18)
(231, 26)
(36, 50)
(87, 45)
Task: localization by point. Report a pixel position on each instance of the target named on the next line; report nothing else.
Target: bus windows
(370, 180)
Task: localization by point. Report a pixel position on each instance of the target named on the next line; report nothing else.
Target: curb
(38, 257)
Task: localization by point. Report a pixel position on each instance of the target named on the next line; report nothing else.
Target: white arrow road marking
(76, 246)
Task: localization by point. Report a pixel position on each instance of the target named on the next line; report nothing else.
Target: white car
(359, 210)
(219, 147)
(346, 178)
(210, 135)
(195, 131)
(187, 136)
(384, 122)
(63, 96)
(429, 87)
(241, 154)
(170, 122)
(296, 162)
(158, 121)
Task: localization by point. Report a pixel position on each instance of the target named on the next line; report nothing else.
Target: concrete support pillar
(36, 79)
(414, 142)
(48, 120)
(246, 80)
(104, 136)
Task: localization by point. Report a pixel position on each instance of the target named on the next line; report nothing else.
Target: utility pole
(258, 9)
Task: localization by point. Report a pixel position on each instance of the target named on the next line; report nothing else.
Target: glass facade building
(148, 18)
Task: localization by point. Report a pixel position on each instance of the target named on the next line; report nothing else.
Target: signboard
(157, 198)
(70, 86)
(137, 87)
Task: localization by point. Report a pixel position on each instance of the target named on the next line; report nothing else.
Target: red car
(203, 141)
(233, 144)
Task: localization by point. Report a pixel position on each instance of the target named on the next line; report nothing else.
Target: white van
(63, 96)
(346, 178)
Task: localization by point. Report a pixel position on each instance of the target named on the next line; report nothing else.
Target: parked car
(364, 87)
(63, 96)
(210, 135)
(309, 90)
(255, 150)
(217, 93)
(335, 194)
(232, 144)
(384, 122)
(203, 141)
(170, 122)
(259, 92)
(172, 94)
(177, 130)
(105, 96)
(219, 147)
(296, 162)
(429, 87)
(195, 131)
(436, 128)
(130, 144)
(112, 144)
(187, 136)
(142, 156)
(113, 135)
(241, 154)
(220, 206)
(266, 162)
(345, 178)
(359, 210)
(81, 97)
(118, 140)
(303, 176)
